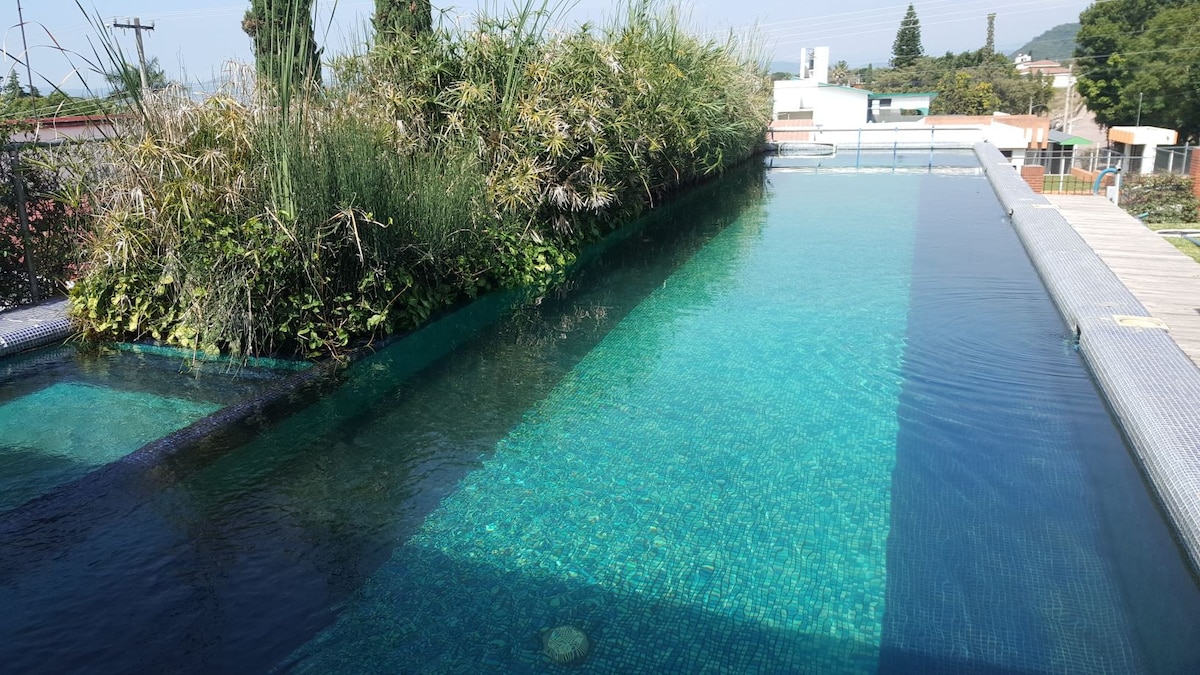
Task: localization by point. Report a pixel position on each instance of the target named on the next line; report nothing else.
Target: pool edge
(1151, 386)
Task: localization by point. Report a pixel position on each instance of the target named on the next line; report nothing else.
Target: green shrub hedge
(433, 168)
(1162, 197)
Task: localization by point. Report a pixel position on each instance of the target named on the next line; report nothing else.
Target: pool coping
(30, 327)
(1149, 383)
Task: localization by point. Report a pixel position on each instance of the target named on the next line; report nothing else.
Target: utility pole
(1067, 106)
(137, 29)
(1139, 116)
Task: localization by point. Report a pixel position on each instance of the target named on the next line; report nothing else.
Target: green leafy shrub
(435, 166)
(1164, 198)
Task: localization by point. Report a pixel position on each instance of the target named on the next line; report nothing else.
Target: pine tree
(284, 47)
(907, 47)
(396, 17)
(12, 87)
(989, 47)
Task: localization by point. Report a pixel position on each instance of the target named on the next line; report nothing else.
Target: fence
(40, 237)
(1074, 170)
(1173, 159)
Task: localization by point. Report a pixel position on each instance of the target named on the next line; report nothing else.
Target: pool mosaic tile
(707, 491)
(63, 430)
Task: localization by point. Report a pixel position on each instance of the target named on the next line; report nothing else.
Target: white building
(1141, 145)
(810, 100)
(812, 103)
(1061, 77)
(905, 107)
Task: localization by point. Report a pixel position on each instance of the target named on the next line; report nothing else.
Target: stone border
(1151, 386)
(39, 332)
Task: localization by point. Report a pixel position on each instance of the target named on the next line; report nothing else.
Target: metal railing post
(932, 141)
(858, 150)
(895, 147)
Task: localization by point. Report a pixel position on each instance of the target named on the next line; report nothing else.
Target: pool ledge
(1150, 384)
(25, 328)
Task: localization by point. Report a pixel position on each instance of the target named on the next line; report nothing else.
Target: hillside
(1056, 44)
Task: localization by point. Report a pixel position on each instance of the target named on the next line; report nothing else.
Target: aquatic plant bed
(738, 440)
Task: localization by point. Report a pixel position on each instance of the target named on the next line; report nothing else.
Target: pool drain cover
(1139, 321)
(565, 644)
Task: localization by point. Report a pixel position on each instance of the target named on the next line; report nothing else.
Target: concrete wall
(831, 106)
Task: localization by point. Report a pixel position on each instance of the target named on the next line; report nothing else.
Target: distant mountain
(1056, 44)
(785, 66)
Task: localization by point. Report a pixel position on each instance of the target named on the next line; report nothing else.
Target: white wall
(831, 106)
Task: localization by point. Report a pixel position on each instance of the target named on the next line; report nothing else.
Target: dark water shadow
(1021, 531)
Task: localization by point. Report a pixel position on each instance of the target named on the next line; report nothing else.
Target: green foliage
(285, 50)
(1056, 44)
(437, 166)
(16, 103)
(407, 17)
(960, 94)
(992, 82)
(906, 49)
(185, 254)
(1131, 47)
(1164, 197)
(1012, 92)
(841, 74)
(1164, 80)
(126, 80)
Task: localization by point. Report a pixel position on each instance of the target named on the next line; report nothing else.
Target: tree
(1109, 34)
(989, 47)
(1023, 93)
(907, 47)
(960, 94)
(284, 48)
(126, 79)
(12, 88)
(841, 74)
(397, 17)
(1163, 77)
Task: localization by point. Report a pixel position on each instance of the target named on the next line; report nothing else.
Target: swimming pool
(65, 412)
(813, 418)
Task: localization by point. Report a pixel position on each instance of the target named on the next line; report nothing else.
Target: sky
(194, 39)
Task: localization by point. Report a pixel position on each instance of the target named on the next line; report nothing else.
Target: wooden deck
(1166, 281)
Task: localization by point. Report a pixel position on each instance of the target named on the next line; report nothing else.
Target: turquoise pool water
(726, 450)
(64, 413)
(811, 419)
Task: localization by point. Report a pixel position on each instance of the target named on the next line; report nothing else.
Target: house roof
(1050, 70)
(1039, 64)
(1067, 139)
